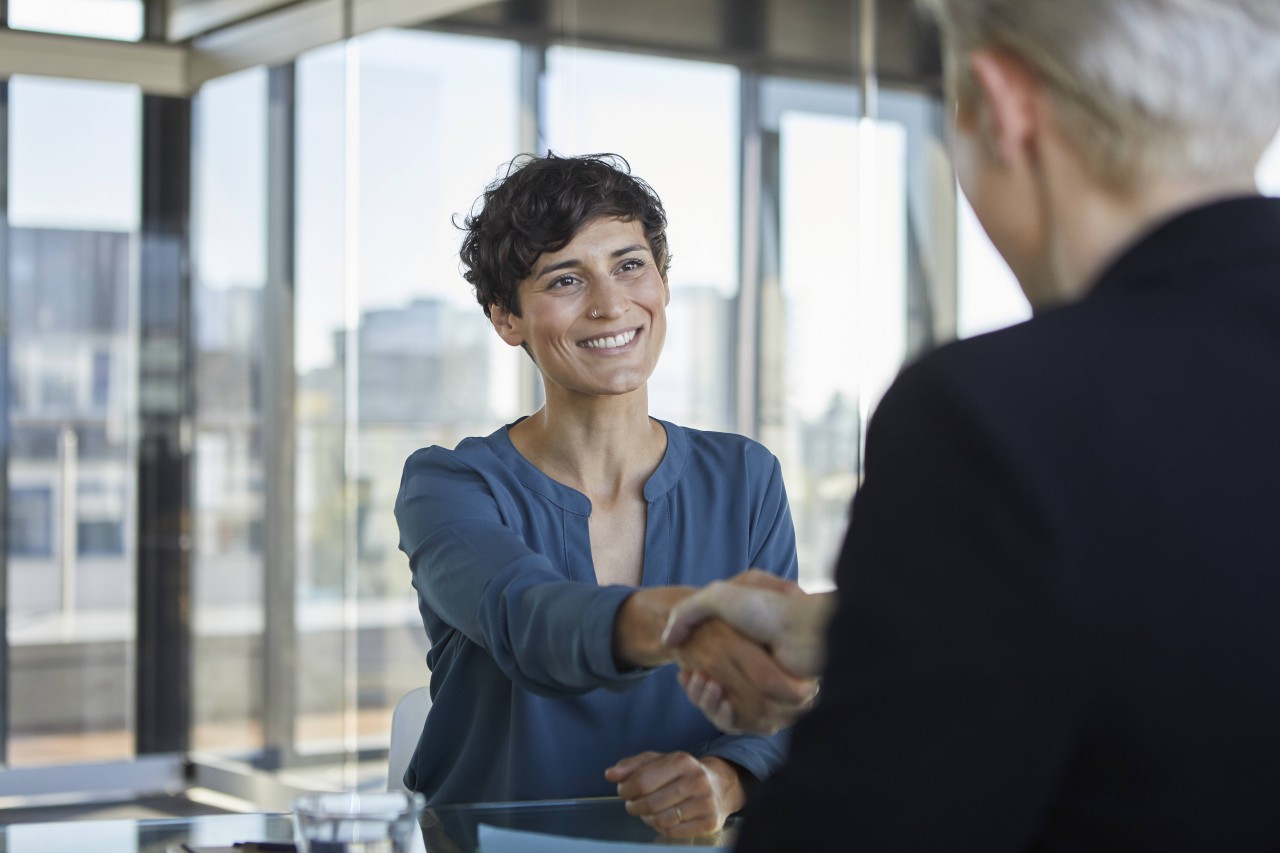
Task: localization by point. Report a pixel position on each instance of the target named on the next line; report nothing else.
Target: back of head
(1143, 88)
(538, 206)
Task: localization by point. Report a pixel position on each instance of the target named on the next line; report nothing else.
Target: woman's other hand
(678, 795)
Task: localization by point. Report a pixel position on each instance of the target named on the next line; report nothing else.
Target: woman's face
(593, 313)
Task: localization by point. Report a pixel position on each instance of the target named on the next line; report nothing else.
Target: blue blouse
(527, 700)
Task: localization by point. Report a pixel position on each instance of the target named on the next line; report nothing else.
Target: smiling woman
(600, 302)
(548, 554)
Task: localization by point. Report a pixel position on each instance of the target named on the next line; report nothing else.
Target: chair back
(407, 720)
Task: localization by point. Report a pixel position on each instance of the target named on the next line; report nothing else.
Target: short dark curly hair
(538, 206)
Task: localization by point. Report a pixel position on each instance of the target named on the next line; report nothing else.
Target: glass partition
(229, 272)
(392, 351)
(843, 284)
(74, 218)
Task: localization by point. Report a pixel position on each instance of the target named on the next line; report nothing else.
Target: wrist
(637, 629)
(731, 782)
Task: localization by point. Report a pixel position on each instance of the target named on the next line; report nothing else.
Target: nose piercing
(595, 314)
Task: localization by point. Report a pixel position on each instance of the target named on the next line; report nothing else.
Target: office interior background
(232, 307)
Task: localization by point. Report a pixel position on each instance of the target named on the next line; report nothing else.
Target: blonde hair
(1142, 88)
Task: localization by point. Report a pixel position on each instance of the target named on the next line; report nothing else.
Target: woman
(547, 555)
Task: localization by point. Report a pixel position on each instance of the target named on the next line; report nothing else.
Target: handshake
(750, 650)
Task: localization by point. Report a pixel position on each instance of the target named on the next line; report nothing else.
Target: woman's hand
(638, 627)
(678, 795)
(773, 612)
(737, 683)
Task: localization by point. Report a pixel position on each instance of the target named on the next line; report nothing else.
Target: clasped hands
(750, 650)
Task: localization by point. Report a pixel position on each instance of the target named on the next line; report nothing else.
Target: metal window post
(165, 403)
(4, 403)
(279, 428)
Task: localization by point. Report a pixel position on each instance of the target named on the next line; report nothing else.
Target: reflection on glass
(228, 236)
(393, 353)
(111, 19)
(676, 123)
(844, 299)
(73, 205)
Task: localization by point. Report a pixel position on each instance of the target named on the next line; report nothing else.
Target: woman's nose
(607, 300)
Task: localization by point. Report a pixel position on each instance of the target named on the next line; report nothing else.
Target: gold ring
(679, 817)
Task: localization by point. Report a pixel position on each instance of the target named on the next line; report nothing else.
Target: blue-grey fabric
(527, 700)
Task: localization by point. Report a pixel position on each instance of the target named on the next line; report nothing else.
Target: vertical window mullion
(279, 423)
(5, 401)
(165, 401)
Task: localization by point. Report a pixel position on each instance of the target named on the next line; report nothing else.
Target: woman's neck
(602, 446)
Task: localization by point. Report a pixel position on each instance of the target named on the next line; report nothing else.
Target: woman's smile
(612, 342)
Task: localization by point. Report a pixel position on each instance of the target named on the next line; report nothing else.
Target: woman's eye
(632, 264)
(561, 282)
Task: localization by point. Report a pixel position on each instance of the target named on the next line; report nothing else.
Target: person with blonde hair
(1056, 619)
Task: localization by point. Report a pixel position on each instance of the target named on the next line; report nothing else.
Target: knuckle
(683, 759)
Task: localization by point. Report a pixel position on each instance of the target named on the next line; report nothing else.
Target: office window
(110, 19)
(392, 351)
(842, 200)
(676, 123)
(74, 216)
(100, 538)
(100, 394)
(30, 521)
(229, 254)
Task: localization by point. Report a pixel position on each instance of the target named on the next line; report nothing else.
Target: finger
(741, 668)
(686, 615)
(763, 696)
(660, 783)
(671, 820)
(697, 687)
(754, 612)
(709, 696)
(760, 579)
(624, 768)
(722, 717)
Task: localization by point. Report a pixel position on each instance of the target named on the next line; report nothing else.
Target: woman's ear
(507, 325)
(1007, 103)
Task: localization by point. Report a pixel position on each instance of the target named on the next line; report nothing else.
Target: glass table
(445, 829)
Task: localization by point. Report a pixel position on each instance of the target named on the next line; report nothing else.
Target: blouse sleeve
(548, 634)
(773, 534)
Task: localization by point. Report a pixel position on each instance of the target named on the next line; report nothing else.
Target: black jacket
(1060, 590)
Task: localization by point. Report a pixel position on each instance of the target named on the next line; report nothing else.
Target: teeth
(611, 342)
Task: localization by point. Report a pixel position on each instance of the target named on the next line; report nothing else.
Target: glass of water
(356, 823)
